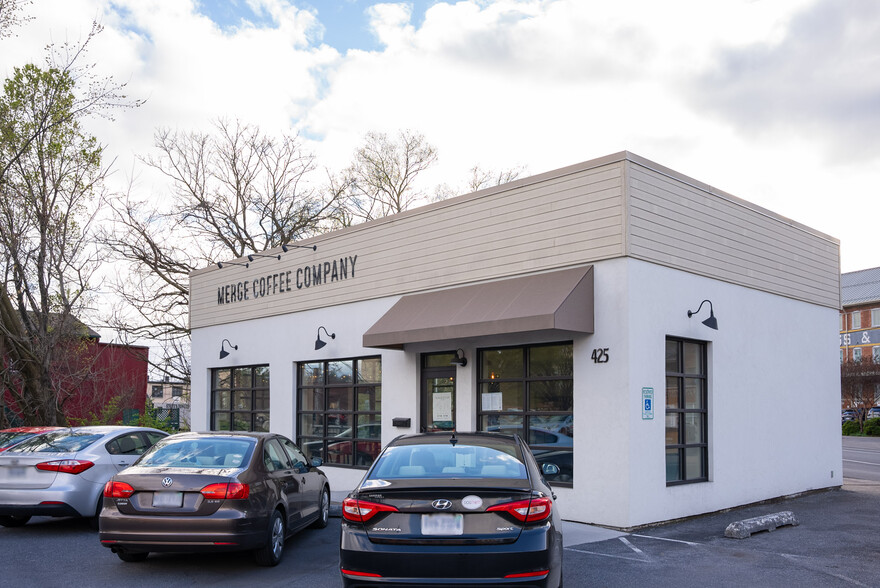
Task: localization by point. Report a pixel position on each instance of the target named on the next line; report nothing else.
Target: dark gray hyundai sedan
(461, 509)
(214, 492)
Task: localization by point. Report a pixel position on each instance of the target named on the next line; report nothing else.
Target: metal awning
(553, 301)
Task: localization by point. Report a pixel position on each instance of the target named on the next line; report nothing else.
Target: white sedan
(62, 473)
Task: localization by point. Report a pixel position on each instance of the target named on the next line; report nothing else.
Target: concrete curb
(745, 528)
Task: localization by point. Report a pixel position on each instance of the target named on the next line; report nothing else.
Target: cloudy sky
(774, 101)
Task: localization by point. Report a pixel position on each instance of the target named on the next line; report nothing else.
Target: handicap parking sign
(647, 403)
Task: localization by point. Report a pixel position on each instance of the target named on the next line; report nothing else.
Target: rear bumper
(55, 501)
(39, 510)
(180, 533)
(537, 549)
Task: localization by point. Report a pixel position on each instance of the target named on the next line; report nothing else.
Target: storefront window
(240, 399)
(339, 406)
(686, 412)
(530, 391)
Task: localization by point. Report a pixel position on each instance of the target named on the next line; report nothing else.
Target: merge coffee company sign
(307, 276)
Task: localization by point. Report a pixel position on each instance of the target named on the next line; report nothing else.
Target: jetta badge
(442, 504)
(167, 482)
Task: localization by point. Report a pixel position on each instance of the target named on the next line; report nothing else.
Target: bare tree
(484, 178)
(234, 191)
(383, 174)
(858, 380)
(479, 179)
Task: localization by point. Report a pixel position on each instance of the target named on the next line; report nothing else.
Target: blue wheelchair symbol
(648, 404)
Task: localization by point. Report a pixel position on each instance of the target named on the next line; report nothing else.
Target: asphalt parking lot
(835, 544)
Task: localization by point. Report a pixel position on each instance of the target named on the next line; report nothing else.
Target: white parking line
(873, 463)
(824, 571)
(643, 560)
(631, 546)
(665, 539)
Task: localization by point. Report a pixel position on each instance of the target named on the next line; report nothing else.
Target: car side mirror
(549, 469)
(317, 462)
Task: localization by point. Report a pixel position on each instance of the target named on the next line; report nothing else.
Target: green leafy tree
(51, 185)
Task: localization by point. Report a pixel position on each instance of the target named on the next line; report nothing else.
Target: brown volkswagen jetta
(215, 491)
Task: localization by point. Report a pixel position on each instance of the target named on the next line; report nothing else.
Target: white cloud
(775, 102)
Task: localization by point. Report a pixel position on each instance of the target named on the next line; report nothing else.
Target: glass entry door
(438, 392)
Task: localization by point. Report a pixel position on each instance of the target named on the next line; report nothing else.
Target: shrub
(872, 427)
(851, 428)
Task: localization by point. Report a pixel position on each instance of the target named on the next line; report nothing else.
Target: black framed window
(530, 391)
(687, 447)
(339, 406)
(176, 390)
(240, 399)
(157, 392)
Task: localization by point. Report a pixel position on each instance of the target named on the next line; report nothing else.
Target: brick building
(860, 337)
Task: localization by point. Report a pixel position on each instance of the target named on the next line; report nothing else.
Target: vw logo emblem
(442, 504)
(167, 482)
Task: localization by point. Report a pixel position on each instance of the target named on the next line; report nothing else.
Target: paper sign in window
(492, 400)
(443, 406)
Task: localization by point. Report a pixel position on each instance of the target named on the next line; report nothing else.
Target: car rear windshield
(448, 461)
(65, 441)
(9, 438)
(205, 452)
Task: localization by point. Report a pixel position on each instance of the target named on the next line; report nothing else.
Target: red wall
(112, 370)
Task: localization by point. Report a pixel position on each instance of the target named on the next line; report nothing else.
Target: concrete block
(745, 528)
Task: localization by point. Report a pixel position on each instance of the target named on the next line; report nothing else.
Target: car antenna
(453, 440)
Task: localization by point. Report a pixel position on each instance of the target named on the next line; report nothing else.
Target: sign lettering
(307, 276)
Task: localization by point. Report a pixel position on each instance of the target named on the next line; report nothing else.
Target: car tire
(14, 521)
(132, 557)
(270, 554)
(323, 510)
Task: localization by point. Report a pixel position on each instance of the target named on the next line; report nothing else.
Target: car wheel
(13, 521)
(270, 553)
(132, 557)
(324, 512)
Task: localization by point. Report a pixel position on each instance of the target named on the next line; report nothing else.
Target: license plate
(168, 499)
(17, 471)
(442, 524)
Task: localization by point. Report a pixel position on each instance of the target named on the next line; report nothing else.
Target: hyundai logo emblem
(442, 504)
(167, 482)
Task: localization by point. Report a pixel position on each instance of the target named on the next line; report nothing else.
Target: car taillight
(527, 511)
(117, 489)
(65, 466)
(361, 511)
(231, 491)
(529, 574)
(360, 574)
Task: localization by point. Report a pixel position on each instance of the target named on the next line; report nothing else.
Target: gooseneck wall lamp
(284, 248)
(221, 264)
(318, 342)
(710, 322)
(459, 359)
(253, 255)
(223, 352)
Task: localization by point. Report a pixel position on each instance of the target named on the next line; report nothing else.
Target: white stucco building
(567, 293)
